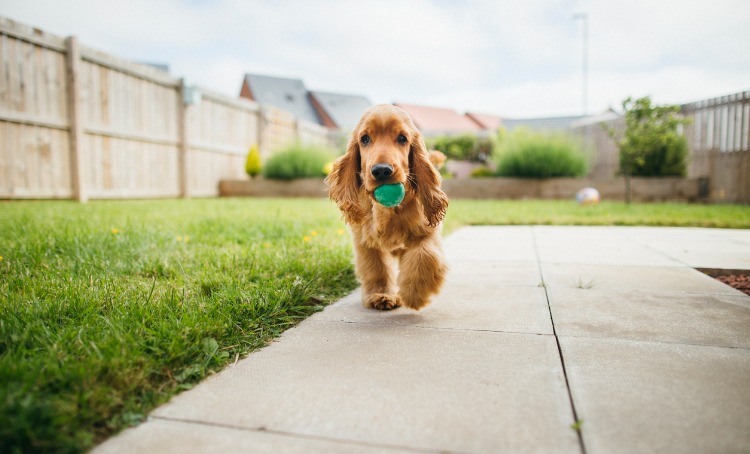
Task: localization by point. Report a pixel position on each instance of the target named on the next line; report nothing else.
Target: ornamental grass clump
(252, 163)
(526, 154)
(298, 161)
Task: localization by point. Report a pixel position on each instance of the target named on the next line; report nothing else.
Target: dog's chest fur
(394, 228)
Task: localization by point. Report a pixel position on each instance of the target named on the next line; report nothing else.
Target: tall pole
(585, 61)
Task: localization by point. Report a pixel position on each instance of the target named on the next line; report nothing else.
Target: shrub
(481, 172)
(252, 163)
(298, 161)
(465, 147)
(526, 154)
(651, 144)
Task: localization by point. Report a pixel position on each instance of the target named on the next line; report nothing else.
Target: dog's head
(386, 148)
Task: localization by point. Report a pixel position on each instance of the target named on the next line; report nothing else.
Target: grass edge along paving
(110, 308)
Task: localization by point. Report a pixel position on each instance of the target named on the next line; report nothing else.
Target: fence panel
(719, 142)
(126, 132)
(313, 134)
(220, 132)
(130, 135)
(34, 151)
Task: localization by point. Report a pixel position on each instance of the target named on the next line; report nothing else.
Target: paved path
(536, 328)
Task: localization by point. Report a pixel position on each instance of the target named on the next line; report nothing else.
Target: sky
(513, 58)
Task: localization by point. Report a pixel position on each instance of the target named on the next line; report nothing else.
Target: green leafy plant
(481, 172)
(651, 144)
(526, 154)
(465, 147)
(298, 161)
(252, 163)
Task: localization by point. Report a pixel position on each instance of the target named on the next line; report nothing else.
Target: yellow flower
(179, 238)
(328, 168)
(1, 258)
(314, 233)
(115, 231)
(187, 238)
(340, 231)
(266, 245)
(306, 238)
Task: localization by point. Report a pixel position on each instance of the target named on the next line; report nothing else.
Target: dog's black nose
(382, 171)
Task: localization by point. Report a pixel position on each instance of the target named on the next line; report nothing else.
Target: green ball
(390, 195)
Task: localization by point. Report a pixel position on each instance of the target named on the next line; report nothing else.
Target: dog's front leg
(377, 273)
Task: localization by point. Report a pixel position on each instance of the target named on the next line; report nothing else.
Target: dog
(398, 251)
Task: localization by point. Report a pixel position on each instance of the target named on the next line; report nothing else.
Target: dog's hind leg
(422, 273)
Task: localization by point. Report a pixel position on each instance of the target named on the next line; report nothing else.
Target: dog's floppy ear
(425, 180)
(344, 183)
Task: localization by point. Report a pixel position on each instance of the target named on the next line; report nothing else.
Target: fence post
(182, 148)
(75, 131)
(261, 129)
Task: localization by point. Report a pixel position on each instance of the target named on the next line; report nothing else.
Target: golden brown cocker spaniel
(386, 148)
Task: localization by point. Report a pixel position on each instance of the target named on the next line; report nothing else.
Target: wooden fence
(718, 137)
(78, 123)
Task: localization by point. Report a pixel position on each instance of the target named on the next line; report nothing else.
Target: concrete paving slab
(164, 436)
(644, 397)
(721, 320)
(641, 278)
(466, 306)
(699, 248)
(494, 274)
(588, 245)
(490, 244)
(397, 386)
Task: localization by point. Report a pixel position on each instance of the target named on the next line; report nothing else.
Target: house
(339, 112)
(286, 94)
(486, 121)
(437, 121)
(549, 124)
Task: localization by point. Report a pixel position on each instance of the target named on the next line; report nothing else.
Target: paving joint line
(262, 430)
(436, 328)
(557, 341)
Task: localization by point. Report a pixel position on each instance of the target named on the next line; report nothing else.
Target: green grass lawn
(560, 212)
(108, 309)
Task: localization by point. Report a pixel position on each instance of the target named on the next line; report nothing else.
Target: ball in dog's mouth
(390, 195)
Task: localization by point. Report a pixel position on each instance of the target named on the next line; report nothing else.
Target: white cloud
(510, 57)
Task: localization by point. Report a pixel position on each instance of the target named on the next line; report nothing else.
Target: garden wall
(643, 189)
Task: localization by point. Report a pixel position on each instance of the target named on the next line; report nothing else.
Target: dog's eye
(365, 139)
(401, 139)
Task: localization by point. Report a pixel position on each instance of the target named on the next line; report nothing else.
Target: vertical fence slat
(182, 152)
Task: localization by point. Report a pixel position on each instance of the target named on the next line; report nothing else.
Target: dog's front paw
(382, 301)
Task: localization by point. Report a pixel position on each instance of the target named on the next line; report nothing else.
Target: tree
(252, 163)
(651, 144)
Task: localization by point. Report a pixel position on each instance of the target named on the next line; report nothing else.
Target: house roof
(486, 121)
(541, 124)
(343, 111)
(286, 94)
(438, 120)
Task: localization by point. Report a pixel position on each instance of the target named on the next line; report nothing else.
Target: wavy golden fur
(386, 148)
